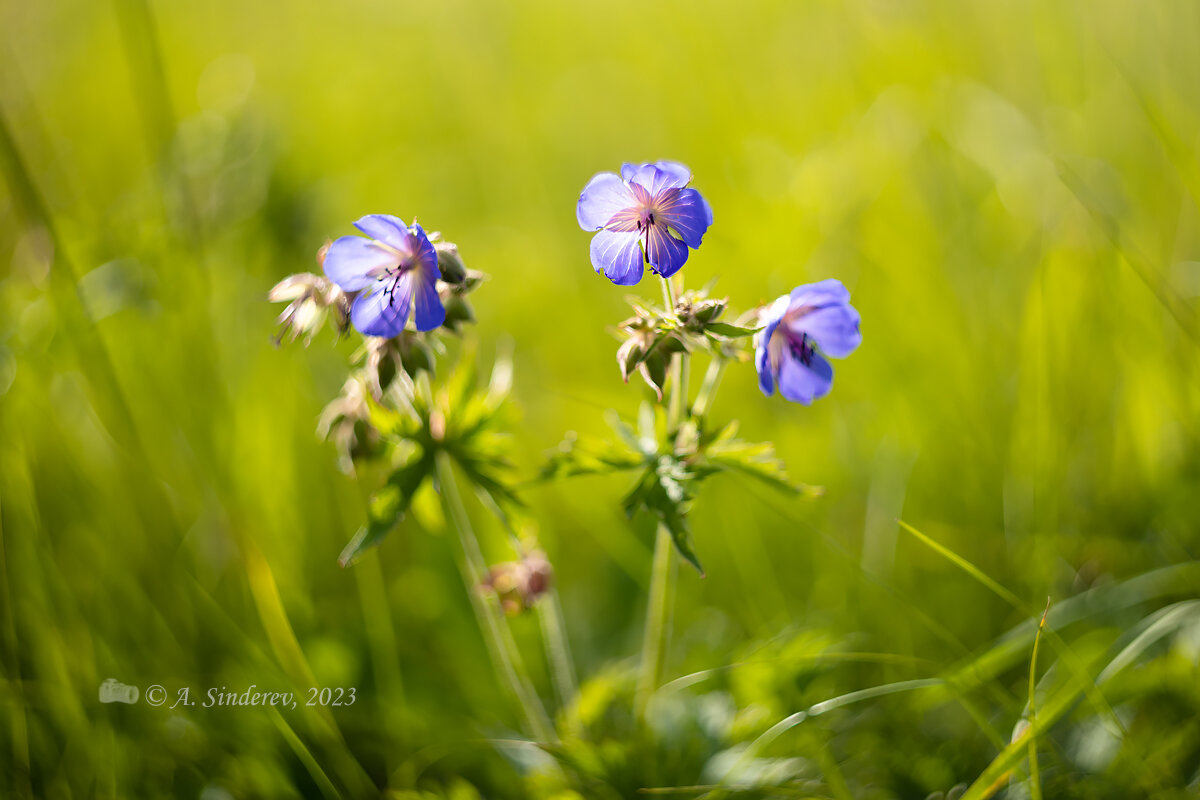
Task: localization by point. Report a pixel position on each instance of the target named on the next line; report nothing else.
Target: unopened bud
(519, 584)
(450, 262)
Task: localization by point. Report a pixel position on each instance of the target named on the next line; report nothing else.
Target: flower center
(800, 346)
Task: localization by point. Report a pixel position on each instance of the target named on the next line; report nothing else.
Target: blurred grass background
(1009, 189)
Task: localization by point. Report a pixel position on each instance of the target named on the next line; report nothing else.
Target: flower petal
(661, 176)
(804, 383)
(430, 313)
(604, 195)
(834, 327)
(762, 361)
(385, 228)
(618, 256)
(821, 293)
(381, 312)
(688, 213)
(664, 252)
(351, 261)
(425, 255)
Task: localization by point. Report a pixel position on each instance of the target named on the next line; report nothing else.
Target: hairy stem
(658, 607)
(501, 647)
(658, 615)
(668, 295)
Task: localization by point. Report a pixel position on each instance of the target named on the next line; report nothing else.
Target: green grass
(1009, 190)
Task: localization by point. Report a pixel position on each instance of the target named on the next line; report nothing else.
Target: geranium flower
(394, 270)
(646, 215)
(798, 331)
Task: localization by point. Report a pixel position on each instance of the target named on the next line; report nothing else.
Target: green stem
(498, 637)
(668, 295)
(558, 651)
(550, 619)
(708, 389)
(658, 608)
(654, 638)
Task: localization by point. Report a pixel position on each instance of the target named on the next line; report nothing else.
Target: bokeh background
(1009, 190)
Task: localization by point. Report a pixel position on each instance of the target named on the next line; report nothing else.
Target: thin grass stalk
(558, 648)
(498, 638)
(1035, 782)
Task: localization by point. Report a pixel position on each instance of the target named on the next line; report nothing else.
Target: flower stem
(668, 295)
(558, 651)
(708, 389)
(501, 647)
(658, 607)
(550, 619)
(658, 614)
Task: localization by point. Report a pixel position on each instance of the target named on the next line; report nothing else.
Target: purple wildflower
(388, 269)
(798, 331)
(646, 215)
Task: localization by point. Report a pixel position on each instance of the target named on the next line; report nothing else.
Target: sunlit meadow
(971, 569)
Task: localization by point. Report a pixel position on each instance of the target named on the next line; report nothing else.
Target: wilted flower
(519, 584)
(798, 330)
(644, 216)
(311, 299)
(389, 268)
(347, 423)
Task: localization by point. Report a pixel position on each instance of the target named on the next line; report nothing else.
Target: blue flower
(388, 269)
(644, 216)
(798, 331)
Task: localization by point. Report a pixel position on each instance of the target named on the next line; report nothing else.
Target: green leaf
(387, 508)
(676, 523)
(756, 460)
(730, 331)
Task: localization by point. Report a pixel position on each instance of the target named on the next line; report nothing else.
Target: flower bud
(450, 262)
(519, 584)
(401, 356)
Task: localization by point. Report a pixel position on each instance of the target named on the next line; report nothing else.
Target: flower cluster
(647, 215)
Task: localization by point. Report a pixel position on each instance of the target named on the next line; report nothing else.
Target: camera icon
(113, 691)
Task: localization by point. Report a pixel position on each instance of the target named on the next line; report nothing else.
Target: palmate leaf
(665, 490)
(757, 460)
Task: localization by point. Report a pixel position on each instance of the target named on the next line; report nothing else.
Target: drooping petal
(804, 383)
(385, 228)
(821, 293)
(604, 195)
(384, 310)
(664, 252)
(661, 175)
(429, 313)
(688, 213)
(834, 327)
(768, 320)
(762, 361)
(351, 262)
(618, 256)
